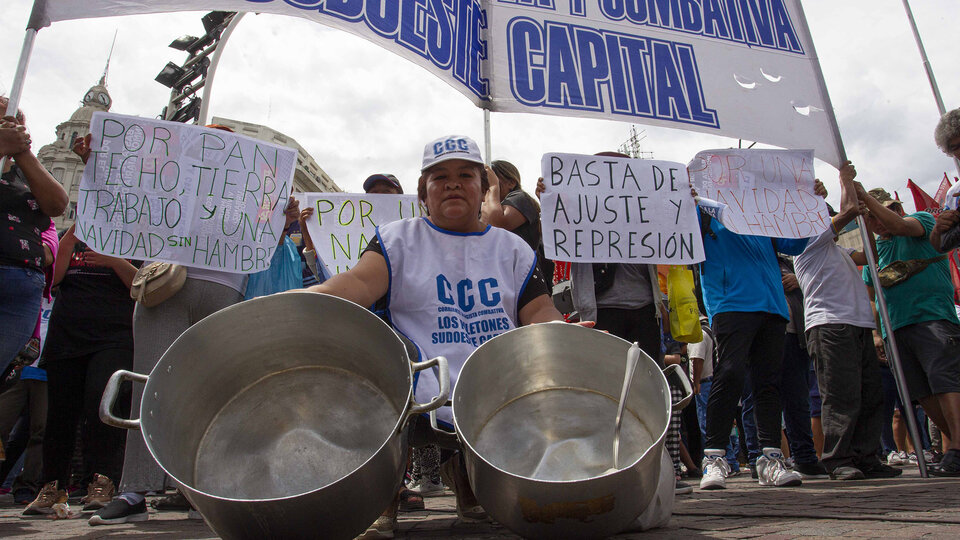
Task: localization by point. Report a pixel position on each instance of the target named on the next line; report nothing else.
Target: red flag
(955, 275)
(924, 202)
(941, 193)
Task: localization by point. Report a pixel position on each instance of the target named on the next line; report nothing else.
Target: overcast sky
(359, 109)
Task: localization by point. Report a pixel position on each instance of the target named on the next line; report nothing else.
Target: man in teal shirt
(922, 316)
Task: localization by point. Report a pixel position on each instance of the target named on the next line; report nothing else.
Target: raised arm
(493, 212)
(849, 203)
(892, 221)
(49, 194)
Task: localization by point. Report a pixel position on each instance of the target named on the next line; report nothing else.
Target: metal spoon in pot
(633, 356)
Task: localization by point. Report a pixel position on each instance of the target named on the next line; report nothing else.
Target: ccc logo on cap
(450, 145)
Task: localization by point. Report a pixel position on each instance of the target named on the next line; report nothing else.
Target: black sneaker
(879, 470)
(120, 511)
(23, 495)
(948, 466)
(175, 502)
(812, 470)
(847, 472)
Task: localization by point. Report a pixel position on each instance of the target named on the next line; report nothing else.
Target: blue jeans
(20, 292)
(734, 445)
(795, 396)
(891, 399)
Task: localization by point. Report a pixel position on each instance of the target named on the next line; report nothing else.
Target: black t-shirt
(523, 203)
(93, 311)
(535, 287)
(21, 222)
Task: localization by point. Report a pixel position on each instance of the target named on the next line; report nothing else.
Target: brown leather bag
(156, 282)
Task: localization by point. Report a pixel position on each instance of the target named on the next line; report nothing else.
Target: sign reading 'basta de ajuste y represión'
(612, 209)
(165, 191)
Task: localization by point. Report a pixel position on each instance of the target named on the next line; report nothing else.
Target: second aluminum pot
(282, 416)
(535, 408)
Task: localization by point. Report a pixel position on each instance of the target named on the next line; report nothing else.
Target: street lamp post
(197, 71)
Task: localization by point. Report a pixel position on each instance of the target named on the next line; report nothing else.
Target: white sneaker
(896, 458)
(715, 470)
(773, 472)
(428, 488)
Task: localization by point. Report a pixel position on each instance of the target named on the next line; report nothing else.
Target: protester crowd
(792, 377)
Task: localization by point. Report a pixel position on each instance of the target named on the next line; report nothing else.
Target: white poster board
(610, 209)
(761, 192)
(344, 223)
(185, 194)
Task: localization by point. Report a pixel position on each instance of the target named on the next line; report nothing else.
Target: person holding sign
(452, 283)
(29, 197)
(154, 329)
(915, 280)
(839, 328)
(743, 294)
(508, 206)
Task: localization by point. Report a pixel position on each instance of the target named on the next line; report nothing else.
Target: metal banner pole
(927, 67)
(212, 70)
(892, 355)
(486, 135)
(16, 90)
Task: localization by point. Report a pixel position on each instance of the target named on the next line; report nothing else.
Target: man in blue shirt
(743, 294)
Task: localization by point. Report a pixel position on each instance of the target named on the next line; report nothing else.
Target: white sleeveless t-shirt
(451, 292)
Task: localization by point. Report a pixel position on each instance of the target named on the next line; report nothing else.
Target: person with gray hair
(947, 133)
(946, 235)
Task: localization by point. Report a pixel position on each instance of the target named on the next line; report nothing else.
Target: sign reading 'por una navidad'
(165, 191)
(760, 192)
(344, 223)
(611, 209)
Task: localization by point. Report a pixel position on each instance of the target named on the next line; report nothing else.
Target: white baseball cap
(450, 147)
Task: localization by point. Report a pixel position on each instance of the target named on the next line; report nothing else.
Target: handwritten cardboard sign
(762, 192)
(609, 209)
(165, 191)
(344, 223)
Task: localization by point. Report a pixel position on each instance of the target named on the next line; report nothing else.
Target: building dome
(96, 99)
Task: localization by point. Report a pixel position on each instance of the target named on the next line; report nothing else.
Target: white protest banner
(761, 192)
(610, 209)
(165, 191)
(344, 223)
(741, 68)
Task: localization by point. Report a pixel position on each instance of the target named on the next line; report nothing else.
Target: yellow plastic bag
(684, 312)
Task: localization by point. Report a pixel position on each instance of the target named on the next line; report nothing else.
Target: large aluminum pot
(283, 416)
(535, 410)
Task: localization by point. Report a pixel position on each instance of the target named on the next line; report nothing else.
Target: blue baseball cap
(386, 178)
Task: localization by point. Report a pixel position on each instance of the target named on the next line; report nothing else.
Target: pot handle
(687, 389)
(110, 397)
(443, 378)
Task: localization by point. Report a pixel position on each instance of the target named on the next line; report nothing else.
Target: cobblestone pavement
(906, 507)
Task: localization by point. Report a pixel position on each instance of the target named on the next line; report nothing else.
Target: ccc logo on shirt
(466, 295)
